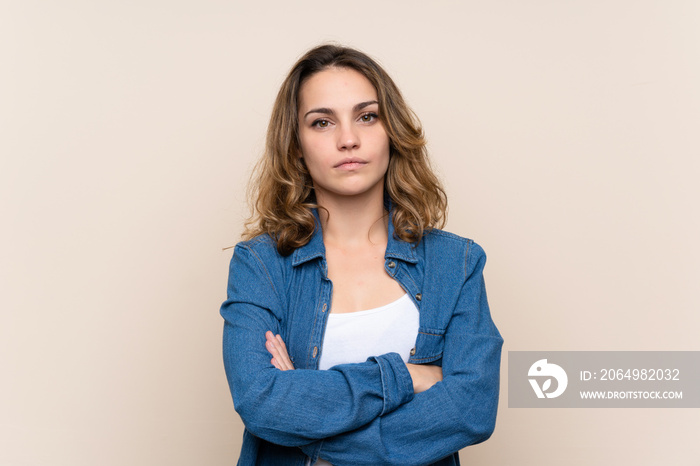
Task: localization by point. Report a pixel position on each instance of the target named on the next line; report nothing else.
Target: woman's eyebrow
(324, 110)
(362, 105)
(329, 111)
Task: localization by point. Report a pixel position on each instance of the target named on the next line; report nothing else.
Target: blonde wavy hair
(280, 192)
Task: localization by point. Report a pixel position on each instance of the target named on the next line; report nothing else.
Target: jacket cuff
(397, 384)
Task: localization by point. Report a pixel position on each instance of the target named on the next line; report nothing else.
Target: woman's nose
(348, 138)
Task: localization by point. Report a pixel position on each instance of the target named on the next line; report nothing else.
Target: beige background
(566, 133)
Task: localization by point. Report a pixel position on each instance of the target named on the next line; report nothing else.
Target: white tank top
(354, 336)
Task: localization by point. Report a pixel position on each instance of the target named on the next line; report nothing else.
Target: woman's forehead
(336, 87)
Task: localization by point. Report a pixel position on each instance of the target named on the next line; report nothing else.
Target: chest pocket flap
(429, 346)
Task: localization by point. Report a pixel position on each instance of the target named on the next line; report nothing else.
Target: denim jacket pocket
(429, 346)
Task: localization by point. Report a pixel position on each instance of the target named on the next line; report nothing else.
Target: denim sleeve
(452, 414)
(294, 408)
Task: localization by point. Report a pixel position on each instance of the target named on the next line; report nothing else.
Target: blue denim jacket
(365, 413)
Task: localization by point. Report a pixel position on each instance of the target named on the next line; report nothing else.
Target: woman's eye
(368, 117)
(321, 123)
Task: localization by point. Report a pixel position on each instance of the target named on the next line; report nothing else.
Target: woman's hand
(276, 347)
(424, 376)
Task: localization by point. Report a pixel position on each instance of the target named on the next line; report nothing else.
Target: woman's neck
(353, 220)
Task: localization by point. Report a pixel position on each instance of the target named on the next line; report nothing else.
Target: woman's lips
(350, 164)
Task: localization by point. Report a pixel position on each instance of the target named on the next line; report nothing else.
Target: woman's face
(343, 143)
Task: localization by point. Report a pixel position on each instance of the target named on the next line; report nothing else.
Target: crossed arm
(423, 376)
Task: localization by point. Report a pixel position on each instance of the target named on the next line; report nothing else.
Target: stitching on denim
(307, 257)
(407, 276)
(431, 331)
(262, 265)
(447, 234)
(432, 358)
(324, 273)
(433, 334)
(313, 332)
(384, 388)
(316, 315)
(412, 258)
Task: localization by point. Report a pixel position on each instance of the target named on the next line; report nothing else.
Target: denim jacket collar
(395, 248)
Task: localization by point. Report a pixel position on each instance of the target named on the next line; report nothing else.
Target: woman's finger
(283, 352)
(276, 347)
(270, 347)
(285, 361)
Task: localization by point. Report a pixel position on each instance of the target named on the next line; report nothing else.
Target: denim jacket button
(419, 297)
(391, 264)
(325, 306)
(315, 351)
(413, 351)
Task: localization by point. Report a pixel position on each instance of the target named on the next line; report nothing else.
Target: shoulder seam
(453, 236)
(260, 263)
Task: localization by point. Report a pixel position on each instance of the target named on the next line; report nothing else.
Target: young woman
(356, 331)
